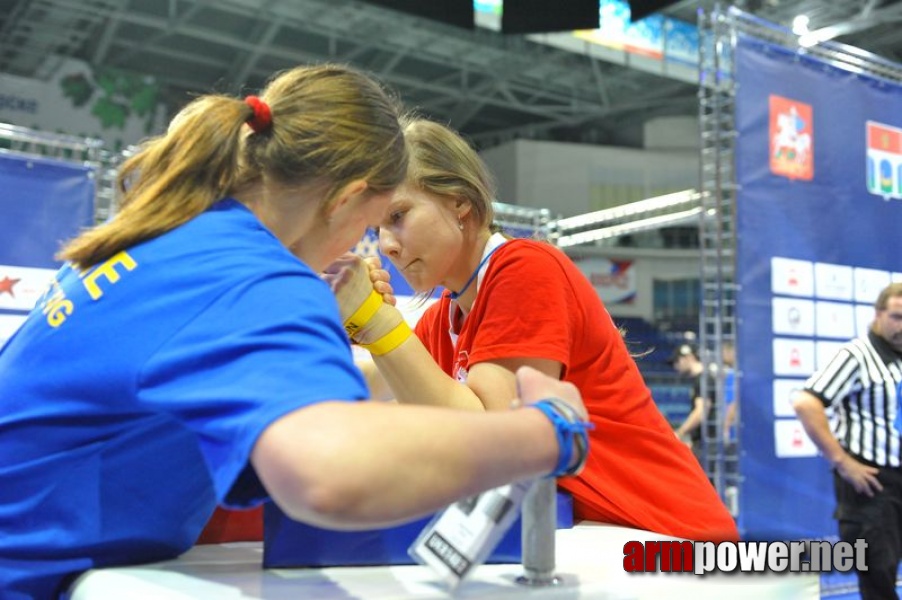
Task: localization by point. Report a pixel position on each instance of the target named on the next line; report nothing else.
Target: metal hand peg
(539, 527)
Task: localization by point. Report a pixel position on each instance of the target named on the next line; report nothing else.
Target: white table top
(589, 559)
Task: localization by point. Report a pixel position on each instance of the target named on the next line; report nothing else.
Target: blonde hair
(444, 164)
(330, 124)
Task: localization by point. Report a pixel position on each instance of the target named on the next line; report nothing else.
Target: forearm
(406, 365)
(730, 418)
(813, 417)
(415, 378)
(396, 462)
(378, 386)
(693, 420)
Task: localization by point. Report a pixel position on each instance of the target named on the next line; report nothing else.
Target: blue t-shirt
(132, 396)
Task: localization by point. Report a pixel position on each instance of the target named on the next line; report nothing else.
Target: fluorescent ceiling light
(594, 235)
(800, 25)
(631, 209)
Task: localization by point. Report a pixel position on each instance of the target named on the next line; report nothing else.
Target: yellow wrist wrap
(390, 340)
(364, 313)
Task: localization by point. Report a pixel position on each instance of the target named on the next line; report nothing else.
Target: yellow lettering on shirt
(57, 310)
(55, 305)
(108, 271)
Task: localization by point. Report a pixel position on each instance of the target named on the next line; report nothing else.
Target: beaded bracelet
(571, 431)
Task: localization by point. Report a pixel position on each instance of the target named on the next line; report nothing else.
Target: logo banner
(818, 158)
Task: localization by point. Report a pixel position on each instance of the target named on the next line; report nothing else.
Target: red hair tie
(261, 120)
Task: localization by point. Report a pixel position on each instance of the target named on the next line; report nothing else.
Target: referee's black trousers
(878, 521)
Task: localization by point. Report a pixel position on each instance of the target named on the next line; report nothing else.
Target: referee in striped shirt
(861, 384)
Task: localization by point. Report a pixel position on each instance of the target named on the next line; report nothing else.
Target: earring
(460, 223)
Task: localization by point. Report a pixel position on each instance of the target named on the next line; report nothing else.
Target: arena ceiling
(493, 87)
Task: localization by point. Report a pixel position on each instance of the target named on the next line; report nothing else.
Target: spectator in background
(686, 362)
(514, 302)
(730, 424)
(861, 384)
(729, 389)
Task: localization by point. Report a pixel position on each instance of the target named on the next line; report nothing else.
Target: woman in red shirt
(514, 302)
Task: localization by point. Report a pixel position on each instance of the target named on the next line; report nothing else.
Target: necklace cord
(456, 295)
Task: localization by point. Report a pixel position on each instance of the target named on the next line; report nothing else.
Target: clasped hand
(353, 279)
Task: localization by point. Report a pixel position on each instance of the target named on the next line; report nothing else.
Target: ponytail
(171, 179)
(325, 123)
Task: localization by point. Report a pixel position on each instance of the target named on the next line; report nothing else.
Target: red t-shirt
(534, 302)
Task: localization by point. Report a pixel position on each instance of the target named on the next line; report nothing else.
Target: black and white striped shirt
(860, 383)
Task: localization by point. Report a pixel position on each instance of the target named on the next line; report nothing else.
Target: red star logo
(6, 285)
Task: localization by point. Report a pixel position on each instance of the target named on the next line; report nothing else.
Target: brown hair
(330, 124)
(891, 291)
(444, 164)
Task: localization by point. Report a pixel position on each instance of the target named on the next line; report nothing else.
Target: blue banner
(42, 203)
(819, 207)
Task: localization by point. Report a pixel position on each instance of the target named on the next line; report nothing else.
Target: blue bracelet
(571, 431)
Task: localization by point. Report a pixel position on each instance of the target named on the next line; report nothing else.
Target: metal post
(717, 233)
(539, 526)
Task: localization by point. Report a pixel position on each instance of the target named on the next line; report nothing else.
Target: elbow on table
(322, 501)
